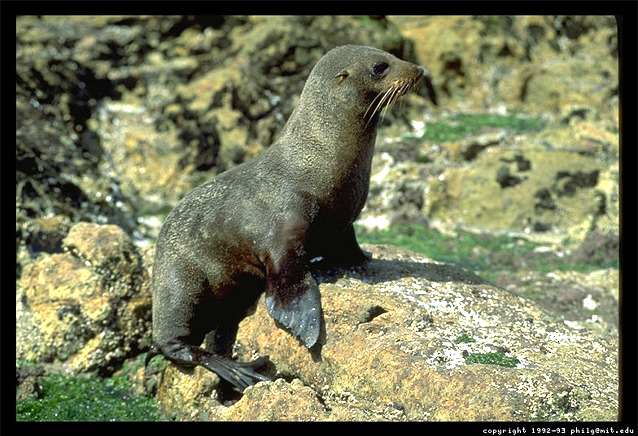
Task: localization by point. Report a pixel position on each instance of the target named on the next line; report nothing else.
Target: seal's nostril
(423, 71)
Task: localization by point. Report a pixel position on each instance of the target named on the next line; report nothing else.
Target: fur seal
(255, 227)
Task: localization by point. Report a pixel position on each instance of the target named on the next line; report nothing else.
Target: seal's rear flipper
(300, 314)
(239, 374)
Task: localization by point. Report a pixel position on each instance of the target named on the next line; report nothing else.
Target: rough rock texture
(559, 183)
(148, 163)
(522, 189)
(401, 334)
(396, 193)
(581, 300)
(28, 381)
(88, 307)
(539, 63)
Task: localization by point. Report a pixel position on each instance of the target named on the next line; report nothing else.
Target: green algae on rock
(86, 398)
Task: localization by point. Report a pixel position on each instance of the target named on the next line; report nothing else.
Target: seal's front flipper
(347, 253)
(301, 313)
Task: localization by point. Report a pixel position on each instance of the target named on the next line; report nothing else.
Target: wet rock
(406, 362)
(89, 307)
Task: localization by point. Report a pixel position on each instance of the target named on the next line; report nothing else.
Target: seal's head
(361, 80)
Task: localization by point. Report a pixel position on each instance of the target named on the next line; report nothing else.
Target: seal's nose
(423, 71)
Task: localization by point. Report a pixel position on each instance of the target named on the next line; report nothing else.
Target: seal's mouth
(389, 97)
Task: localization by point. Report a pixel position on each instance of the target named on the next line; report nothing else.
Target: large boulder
(413, 339)
(88, 307)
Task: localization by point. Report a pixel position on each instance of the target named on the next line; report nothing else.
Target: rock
(582, 300)
(89, 307)
(598, 248)
(28, 381)
(195, 395)
(46, 234)
(147, 163)
(396, 193)
(401, 335)
(57, 175)
(526, 190)
(533, 64)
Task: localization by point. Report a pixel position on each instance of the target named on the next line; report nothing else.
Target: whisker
(374, 112)
(404, 89)
(370, 106)
(389, 103)
(385, 106)
(383, 96)
(384, 101)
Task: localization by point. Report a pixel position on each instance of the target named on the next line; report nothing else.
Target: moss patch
(462, 125)
(87, 398)
(497, 358)
(484, 254)
(464, 339)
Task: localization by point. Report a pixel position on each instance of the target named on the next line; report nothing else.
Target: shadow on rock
(384, 270)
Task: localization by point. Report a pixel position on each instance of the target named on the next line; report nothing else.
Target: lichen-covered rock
(581, 300)
(396, 193)
(554, 64)
(411, 339)
(88, 307)
(28, 381)
(525, 189)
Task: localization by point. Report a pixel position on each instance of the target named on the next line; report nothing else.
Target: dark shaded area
(597, 248)
(373, 312)
(382, 270)
(567, 182)
(506, 179)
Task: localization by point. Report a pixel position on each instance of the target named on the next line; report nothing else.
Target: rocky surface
(401, 335)
(28, 381)
(118, 117)
(88, 307)
(559, 184)
(537, 64)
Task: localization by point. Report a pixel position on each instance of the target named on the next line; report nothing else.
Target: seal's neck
(326, 141)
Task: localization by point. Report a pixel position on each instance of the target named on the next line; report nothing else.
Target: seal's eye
(379, 69)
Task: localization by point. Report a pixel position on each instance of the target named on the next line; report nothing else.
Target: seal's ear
(341, 75)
